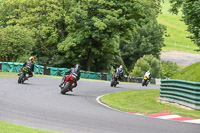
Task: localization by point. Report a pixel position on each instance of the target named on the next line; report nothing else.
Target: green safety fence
(109, 77)
(91, 75)
(11, 67)
(57, 71)
(183, 92)
(38, 69)
(16, 66)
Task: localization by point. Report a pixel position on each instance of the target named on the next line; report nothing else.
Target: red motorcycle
(68, 83)
(114, 80)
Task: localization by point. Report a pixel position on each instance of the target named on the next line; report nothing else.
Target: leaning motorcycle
(23, 75)
(68, 81)
(114, 80)
(145, 81)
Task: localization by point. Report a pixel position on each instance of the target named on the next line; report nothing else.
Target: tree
(147, 62)
(85, 32)
(44, 17)
(169, 69)
(191, 11)
(95, 29)
(15, 41)
(147, 39)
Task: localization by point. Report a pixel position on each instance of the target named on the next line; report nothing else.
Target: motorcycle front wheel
(112, 83)
(143, 82)
(66, 88)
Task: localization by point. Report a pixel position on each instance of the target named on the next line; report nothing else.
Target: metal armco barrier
(183, 92)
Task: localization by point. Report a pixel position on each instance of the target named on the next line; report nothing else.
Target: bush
(15, 41)
(168, 69)
(147, 62)
(190, 73)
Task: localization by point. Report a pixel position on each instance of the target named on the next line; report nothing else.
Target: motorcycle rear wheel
(112, 83)
(20, 80)
(115, 85)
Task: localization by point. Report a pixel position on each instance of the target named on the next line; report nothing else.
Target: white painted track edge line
(161, 117)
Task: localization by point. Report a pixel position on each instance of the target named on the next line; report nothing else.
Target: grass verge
(12, 74)
(189, 73)
(176, 30)
(12, 128)
(145, 102)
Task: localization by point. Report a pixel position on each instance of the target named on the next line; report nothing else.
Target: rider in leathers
(120, 72)
(148, 75)
(70, 72)
(30, 65)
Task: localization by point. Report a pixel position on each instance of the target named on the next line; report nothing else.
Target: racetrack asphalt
(39, 104)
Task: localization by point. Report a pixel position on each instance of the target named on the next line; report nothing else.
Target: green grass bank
(13, 74)
(191, 73)
(176, 30)
(13, 128)
(145, 102)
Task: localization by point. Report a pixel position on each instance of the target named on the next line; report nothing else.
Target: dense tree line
(98, 34)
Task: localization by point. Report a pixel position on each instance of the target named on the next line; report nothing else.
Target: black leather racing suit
(70, 72)
(30, 65)
(120, 72)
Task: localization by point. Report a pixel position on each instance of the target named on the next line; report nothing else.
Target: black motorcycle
(114, 80)
(23, 75)
(145, 81)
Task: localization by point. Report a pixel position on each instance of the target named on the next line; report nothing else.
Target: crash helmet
(121, 66)
(31, 58)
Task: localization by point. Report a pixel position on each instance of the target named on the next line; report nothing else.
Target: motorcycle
(114, 80)
(23, 75)
(68, 82)
(145, 81)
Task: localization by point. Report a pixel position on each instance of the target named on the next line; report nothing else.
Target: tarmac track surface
(39, 104)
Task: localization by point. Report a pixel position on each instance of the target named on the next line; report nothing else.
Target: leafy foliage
(147, 62)
(190, 73)
(43, 17)
(169, 69)
(146, 40)
(95, 28)
(94, 33)
(190, 9)
(15, 41)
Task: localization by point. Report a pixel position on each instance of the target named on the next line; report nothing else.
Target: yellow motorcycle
(145, 81)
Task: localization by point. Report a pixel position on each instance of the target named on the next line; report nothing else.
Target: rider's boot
(60, 85)
(62, 82)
